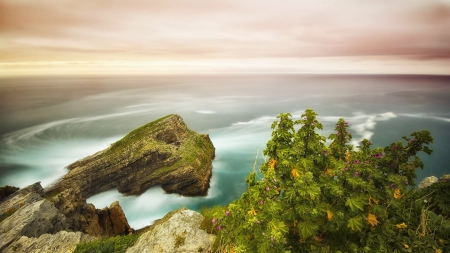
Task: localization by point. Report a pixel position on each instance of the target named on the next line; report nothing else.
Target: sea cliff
(163, 152)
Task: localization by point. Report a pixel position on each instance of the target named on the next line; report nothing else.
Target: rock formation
(83, 217)
(61, 242)
(33, 217)
(163, 152)
(432, 179)
(178, 231)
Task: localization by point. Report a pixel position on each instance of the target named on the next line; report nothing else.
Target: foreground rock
(178, 231)
(32, 217)
(61, 242)
(163, 152)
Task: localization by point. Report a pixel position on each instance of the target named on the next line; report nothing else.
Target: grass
(131, 147)
(8, 213)
(116, 244)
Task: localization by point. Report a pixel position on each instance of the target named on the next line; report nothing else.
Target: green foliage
(208, 214)
(319, 198)
(117, 244)
(8, 213)
(7, 190)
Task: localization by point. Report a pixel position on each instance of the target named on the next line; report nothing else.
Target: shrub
(318, 198)
(7, 190)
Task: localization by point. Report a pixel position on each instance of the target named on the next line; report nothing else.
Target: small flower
(370, 142)
(258, 221)
(227, 213)
(355, 162)
(438, 251)
(267, 188)
(406, 182)
(274, 186)
(346, 123)
(401, 225)
(324, 152)
(345, 168)
(378, 155)
(213, 221)
(356, 174)
(406, 246)
(395, 147)
(219, 227)
(372, 219)
(397, 193)
(391, 186)
(261, 202)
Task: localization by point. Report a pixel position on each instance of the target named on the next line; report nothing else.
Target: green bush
(7, 190)
(117, 244)
(318, 198)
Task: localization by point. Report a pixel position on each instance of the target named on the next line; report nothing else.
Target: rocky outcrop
(32, 220)
(84, 217)
(178, 231)
(164, 152)
(61, 242)
(431, 180)
(32, 216)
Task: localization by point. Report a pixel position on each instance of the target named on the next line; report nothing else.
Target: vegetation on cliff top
(313, 197)
(142, 139)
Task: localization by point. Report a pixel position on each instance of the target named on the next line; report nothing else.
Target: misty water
(49, 123)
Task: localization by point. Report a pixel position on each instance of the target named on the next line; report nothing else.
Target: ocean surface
(49, 123)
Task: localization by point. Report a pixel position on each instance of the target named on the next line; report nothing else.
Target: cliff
(164, 152)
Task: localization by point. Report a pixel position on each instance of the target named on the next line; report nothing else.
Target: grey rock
(61, 242)
(178, 231)
(427, 182)
(445, 178)
(32, 220)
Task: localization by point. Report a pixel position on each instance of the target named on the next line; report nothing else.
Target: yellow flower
(272, 163)
(252, 212)
(347, 156)
(372, 200)
(295, 173)
(406, 246)
(372, 219)
(329, 215)
(401, 225)
(397, 193)
(438, 251)
(328, 172)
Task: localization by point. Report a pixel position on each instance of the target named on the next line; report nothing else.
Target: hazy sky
(224, 36)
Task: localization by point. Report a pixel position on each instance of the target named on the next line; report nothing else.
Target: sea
(48, 123)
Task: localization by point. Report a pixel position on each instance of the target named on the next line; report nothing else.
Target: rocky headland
(164, 152)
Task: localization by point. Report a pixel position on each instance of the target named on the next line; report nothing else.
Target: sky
(89, 37)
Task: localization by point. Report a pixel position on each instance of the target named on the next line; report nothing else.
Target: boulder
(178, 231)
(164, 152)
(427, 182)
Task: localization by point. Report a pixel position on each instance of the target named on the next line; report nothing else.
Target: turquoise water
(48, 123)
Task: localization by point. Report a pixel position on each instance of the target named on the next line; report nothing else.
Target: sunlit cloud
(199, 36)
